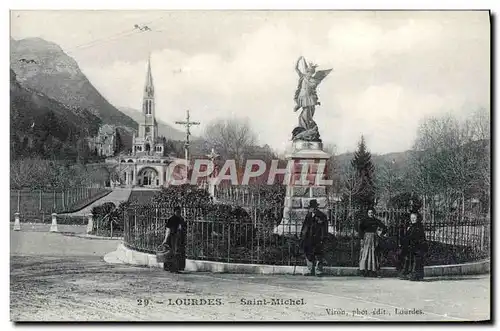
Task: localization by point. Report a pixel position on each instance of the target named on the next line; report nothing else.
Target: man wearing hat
(313, 235)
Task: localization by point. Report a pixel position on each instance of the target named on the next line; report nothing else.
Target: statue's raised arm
(297, 68)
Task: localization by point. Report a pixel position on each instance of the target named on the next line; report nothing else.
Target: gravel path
(56, 277)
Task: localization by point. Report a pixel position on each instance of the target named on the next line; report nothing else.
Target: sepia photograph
(250, 165)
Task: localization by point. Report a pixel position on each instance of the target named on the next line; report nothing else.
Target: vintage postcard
(190, 165)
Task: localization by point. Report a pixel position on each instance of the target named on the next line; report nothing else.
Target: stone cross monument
(187, 123)
(211, 180)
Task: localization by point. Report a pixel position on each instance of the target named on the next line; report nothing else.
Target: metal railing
(40, 204)
(248, 236)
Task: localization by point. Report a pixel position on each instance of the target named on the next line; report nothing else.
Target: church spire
(149, 87)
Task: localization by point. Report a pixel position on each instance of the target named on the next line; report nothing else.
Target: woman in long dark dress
(414, 247)
(175, 239)
(369, 230)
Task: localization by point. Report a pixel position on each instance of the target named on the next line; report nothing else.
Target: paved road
(64, 278)
(116, 196)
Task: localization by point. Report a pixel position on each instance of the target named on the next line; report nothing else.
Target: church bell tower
(148, 130)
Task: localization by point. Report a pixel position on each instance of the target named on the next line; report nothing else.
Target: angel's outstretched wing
(321, 74)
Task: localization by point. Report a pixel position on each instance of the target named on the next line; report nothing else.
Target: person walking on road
(175, 240)
(370, 230)
(313, 236)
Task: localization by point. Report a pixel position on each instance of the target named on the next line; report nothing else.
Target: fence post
(40, 201)
(229, 243)
(17, 223)
(53, 226)
(482, 237)
(54, 198)
(18, 199)
(90, 224)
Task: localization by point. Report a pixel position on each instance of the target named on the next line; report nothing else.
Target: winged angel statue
(307, 99)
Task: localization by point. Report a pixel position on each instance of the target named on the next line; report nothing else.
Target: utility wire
(106, 39)
(138, 28)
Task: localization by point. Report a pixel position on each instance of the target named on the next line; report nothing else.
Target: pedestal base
(299, 196)
(293, 230)
(53, 226)
(17, 223)
(90, 224)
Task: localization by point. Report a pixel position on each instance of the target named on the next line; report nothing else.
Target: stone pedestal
(211, 188)
(304, 186)
(90, 224)
(53, 226)
(17, 222)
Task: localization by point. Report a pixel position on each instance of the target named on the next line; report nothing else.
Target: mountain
(44, 127)
(43, 66)
(401, 159)
(164, 129)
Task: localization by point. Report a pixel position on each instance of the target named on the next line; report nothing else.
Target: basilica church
(147, 164)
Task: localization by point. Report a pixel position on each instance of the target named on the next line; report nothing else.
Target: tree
(119, 145)
(174, 148)
(14, 145)
(450, 159)
(390, 180)
(83, 151)
(365, 188)
(231, 138)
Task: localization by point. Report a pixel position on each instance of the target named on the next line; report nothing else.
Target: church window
(148, 105)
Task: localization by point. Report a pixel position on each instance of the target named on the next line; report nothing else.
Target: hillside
(44, 67)
(41, 126)
(164, 129)
(401, 159)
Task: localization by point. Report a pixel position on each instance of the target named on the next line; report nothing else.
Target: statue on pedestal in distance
(306, 98)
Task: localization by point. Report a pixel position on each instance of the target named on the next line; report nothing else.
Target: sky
(391, 69)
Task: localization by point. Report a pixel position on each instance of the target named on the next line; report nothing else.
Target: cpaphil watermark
(296, 172)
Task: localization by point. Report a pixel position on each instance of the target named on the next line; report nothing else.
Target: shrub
(182, 195)
(108, 213)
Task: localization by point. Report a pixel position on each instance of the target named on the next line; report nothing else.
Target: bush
(182, 195)
(107, 214)
(102, 210)
(230, 222)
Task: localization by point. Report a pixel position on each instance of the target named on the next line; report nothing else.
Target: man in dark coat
(175, 240)
(313, 235)
(414, 248)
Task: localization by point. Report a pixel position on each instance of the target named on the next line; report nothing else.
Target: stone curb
(78, 235)
(90, 236)
(124, 255)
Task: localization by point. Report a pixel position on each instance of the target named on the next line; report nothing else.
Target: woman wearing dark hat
(313, 235)
(414, 247)
(369, 230)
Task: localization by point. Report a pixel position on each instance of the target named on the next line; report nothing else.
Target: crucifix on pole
(187, 123)
(211, 184)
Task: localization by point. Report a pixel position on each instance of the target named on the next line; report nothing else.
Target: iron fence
(40, 204)
(107, 227)
(247, 235)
